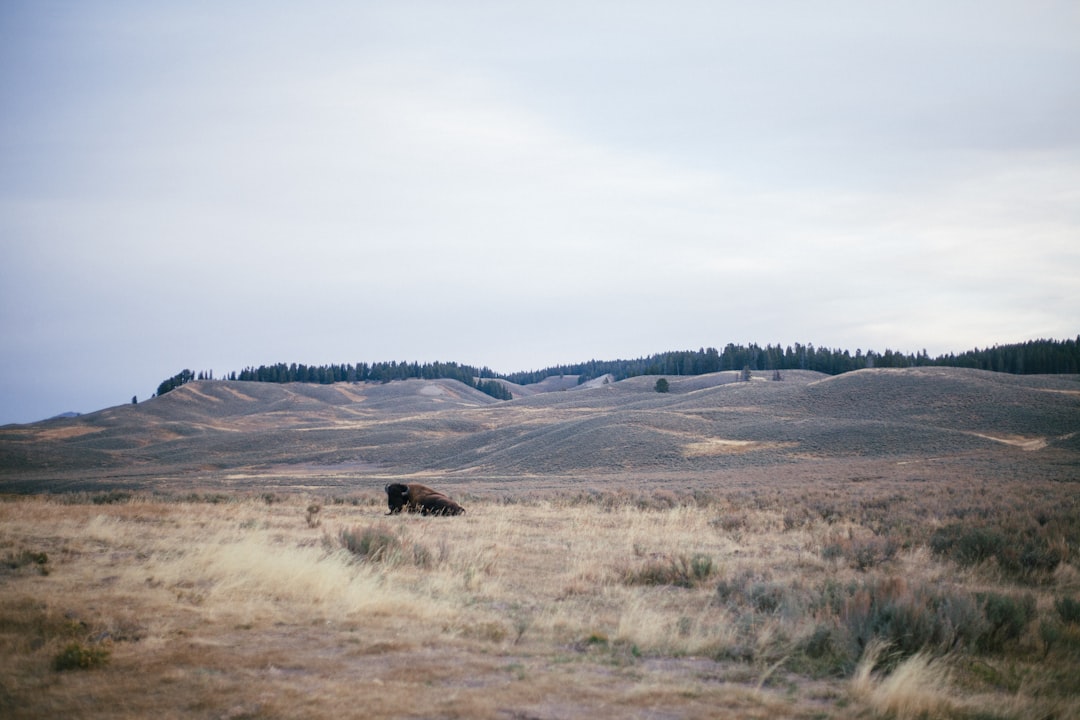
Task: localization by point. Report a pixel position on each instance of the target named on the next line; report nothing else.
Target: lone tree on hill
(662, 385)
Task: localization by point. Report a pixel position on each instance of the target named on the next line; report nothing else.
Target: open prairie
(897, 543)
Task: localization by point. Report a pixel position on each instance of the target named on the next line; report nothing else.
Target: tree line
(482, 379)
(1032, 357)
(182, 377)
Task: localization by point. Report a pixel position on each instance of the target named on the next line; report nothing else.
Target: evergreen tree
(181, 378)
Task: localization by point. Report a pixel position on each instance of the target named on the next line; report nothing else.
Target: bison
(415, 497)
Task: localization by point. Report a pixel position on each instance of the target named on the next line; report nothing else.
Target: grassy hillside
(216, 431)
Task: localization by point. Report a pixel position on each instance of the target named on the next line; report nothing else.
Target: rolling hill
(211, 433)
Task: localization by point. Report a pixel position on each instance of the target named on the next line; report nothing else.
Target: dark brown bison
(415, 497)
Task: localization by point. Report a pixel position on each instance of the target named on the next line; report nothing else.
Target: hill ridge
(705, 424)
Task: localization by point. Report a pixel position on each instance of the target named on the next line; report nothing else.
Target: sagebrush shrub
(873, 551)
(910, 617)
(1068, 610)
(967, 545)
(825, 652)
(861, 554)
(370, 543)
(1022, 547)
(679, 570)
(766, 597)
(731, 590)
(1007, 618)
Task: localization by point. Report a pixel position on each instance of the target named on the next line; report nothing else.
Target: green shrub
(766, 597)
(1068, 609)
(861, 554)
(24, 558)
(967, 545)
(701, 567)
(1035, 557)
(732, 590)
(824, 653)
(76, 656)
(914, 617)
(1023, 548)
(910, 617)
(1007, 617)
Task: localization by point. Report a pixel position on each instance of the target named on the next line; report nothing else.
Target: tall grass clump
(372, 544)
(917, 687)
(376, 545)
(678, 570)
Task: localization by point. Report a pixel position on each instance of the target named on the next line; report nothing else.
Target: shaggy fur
(415, 497)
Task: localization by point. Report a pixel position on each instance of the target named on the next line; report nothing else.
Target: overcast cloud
(216, 185)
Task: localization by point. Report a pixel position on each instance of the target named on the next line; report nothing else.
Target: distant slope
(706, 423)
(555, 383)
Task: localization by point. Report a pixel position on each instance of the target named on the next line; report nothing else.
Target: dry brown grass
(918, 687)
(609, 605)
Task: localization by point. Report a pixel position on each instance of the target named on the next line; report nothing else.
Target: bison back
(415, 497)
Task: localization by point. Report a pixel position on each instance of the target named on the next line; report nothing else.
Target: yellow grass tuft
(919, 687)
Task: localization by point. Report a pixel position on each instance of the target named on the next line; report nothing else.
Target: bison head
(397, 497)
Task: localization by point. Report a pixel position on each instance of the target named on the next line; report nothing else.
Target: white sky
(523, 184)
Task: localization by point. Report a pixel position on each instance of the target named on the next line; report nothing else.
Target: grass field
(886, 543)
(852, 599)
